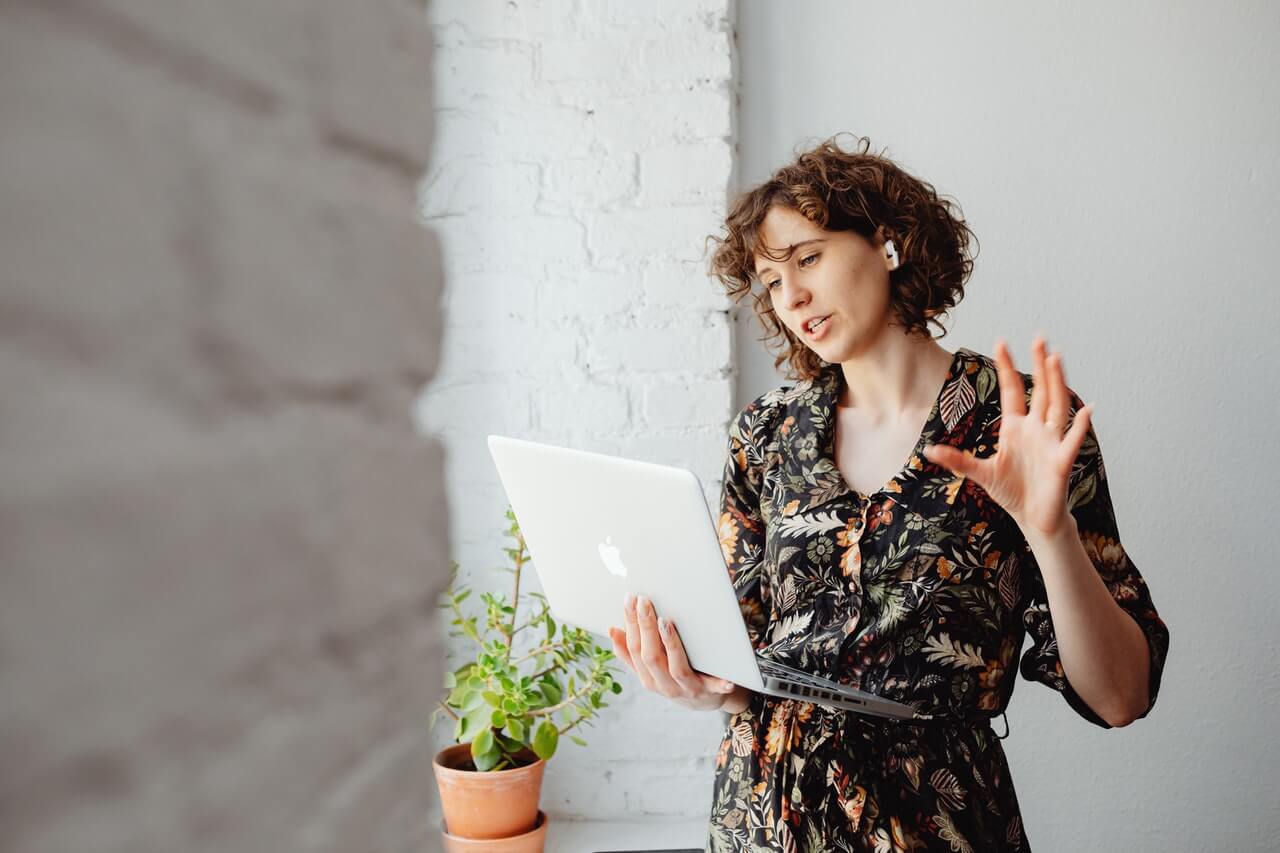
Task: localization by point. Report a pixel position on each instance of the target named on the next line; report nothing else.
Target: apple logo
(612, 562)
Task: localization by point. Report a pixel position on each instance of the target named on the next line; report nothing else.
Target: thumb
(948, 457)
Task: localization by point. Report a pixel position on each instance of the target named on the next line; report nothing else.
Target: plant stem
(453, 605)
(515, 594)
(545, 610)
(543, 712)
(573, 725)
(448, 710)
(546, 647)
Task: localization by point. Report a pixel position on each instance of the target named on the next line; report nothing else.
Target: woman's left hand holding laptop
(651, 646)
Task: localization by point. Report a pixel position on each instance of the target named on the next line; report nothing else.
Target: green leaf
(450, 681)
(510, 745)
(483, 743)
(494, 699)
(551, 627)
(579, 741)
(498, 719)
(488, 760)
(472, 701)
(515, 728)
(477, 720)
(616, 687)
(545, 740)
(551, 692)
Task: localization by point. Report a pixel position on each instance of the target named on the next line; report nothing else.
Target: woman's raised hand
(651, 646)
(1029, 473)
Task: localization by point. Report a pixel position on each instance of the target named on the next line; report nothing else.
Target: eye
(803, 263)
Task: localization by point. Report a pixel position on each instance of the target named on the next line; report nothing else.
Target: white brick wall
(583, 152)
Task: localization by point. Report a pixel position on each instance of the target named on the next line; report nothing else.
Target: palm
(1028, 474)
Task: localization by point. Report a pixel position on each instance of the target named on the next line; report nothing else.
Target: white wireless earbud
(892, 251)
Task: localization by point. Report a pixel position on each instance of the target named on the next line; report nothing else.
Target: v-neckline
(836, 387)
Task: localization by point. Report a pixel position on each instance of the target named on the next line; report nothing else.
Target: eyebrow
(791, 249)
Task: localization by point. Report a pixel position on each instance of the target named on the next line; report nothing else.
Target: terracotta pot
(533, 841)
(487, 805)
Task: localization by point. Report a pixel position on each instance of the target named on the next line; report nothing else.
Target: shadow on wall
(222, 539)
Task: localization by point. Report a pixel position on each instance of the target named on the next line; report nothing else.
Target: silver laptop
(599, 527)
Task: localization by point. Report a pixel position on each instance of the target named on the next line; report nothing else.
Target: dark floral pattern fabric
(921, 592)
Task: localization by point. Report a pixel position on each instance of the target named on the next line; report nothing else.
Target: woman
(917, 583)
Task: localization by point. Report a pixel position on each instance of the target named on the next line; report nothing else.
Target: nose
(793, 295)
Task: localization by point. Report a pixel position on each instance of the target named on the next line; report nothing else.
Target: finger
(634, 643)
(1076, 435)
(1059, 404)
(962, 463)
(716, 685)
(653, 652)
(1039, 380)
(619, 637)
(1013, 388)
(677, 661)
(949, 457)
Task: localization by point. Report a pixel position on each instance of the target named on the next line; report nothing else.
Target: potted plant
(527, 684)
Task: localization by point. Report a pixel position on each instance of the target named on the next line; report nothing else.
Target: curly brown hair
(850, 191)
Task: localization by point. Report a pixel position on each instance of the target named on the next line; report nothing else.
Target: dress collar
(808, 475)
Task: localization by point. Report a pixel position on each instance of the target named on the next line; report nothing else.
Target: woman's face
(840, 275)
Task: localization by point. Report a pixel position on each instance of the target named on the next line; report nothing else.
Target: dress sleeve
(1089, 501)
(740, 525)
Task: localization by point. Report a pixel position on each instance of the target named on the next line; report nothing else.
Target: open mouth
(817, 328)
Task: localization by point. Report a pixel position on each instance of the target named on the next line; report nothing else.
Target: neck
(896, 379)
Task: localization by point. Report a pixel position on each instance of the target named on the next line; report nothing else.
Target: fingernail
(663, 624)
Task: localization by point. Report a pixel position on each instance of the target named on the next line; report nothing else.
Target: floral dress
(921, 592)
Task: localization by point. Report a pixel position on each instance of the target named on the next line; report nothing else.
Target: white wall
(1118, 164)
(583, 151)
